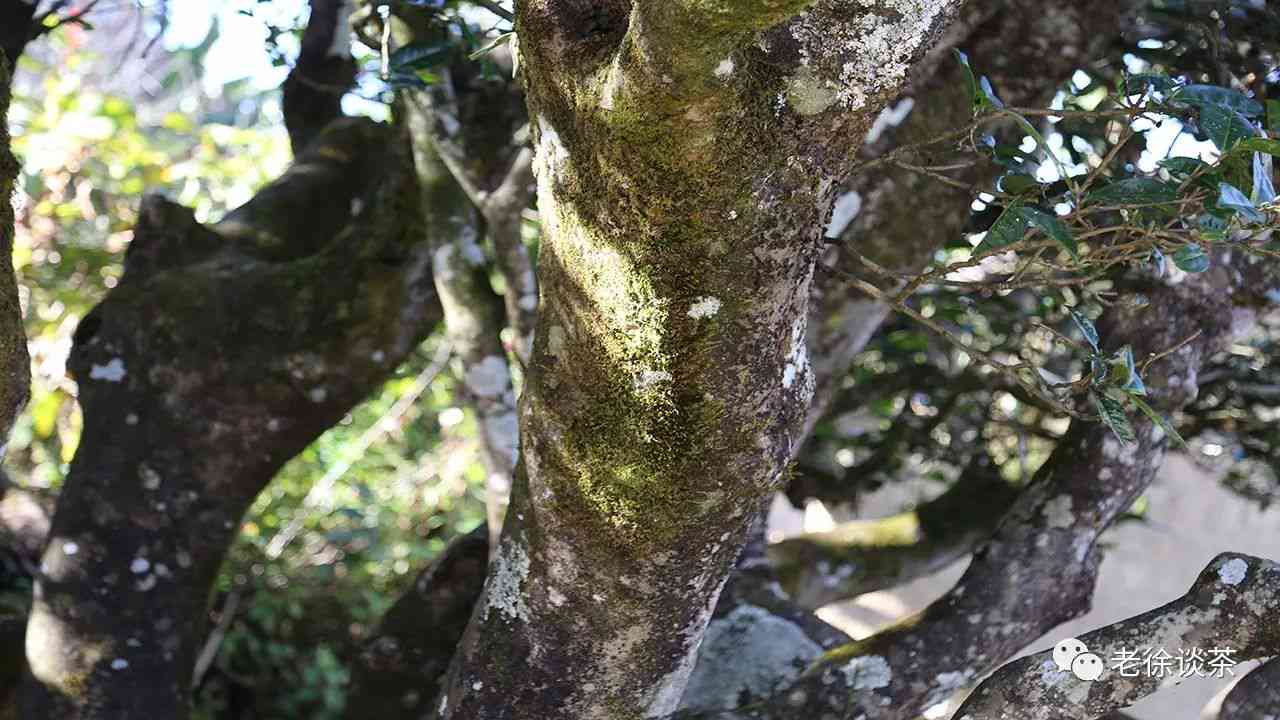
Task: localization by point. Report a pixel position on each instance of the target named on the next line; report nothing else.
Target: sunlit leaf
(1257, 144)
(1232, 198)
(499, 41)
(1087, 329)
(1264, 189)
(1135, 191)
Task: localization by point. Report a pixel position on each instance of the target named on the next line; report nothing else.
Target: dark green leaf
(1231, 198)
(1161, 421)
(1225, 126)
(1205, 95)
(1018, 183)
(1135, 191)
(977, 97)
(1008, 229)
(1113, 416)
(1262, 145)
(1191, 258)
(1212, 227)
(1184, 165)
(420, 55)
(1053, 227)
(1087, 329)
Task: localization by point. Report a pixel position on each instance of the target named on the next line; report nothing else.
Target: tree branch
(200, 374)
(399, 672)
(1234, 604)
(1004, 601)
(859, 557)
(15, 370)
(1257, 695)
(324, 71)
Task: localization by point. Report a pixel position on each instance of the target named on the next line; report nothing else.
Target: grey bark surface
(215, 360)
(681, 210)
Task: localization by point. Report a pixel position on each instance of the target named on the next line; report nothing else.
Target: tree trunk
(682, 188)
(15, 371)
(221, 354)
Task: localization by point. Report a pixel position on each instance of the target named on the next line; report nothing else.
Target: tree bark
(1257, 695)
(682, 190)
(218, 357)
(1002, 603)
(1235, 602)
(15, 370)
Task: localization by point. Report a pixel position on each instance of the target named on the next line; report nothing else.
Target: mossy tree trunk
(222, 353)
(687, 157)
(15, 372)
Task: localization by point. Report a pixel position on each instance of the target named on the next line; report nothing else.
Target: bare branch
(864, 556)
(1233, 605)
(325, 70)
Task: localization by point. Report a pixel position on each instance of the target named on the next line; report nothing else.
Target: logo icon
(1071, 655)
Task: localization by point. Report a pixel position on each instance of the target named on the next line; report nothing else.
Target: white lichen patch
(704, 307)
(796, 362)
(750, 651)
(70, 548)
(846, 209)
(150, 478)
(650, 378)
(555, 340)
(724, 69)
(505, 591)
(867, 672)
(872, 54)
(119, 664)
(139, 565)
(1233, 571)
(113, 371)
(809, 94)
(1057, 512)
(488, 378)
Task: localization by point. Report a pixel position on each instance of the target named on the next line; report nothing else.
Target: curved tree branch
(1257, 695)
(324, 71)
(399, 672)
(867, 555)
(200, 374)
(1233, 605)
(1039, 568)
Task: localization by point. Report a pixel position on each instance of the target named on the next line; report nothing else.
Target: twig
(209, 652)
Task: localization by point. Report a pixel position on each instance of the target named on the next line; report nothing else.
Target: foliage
(1141, 164)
